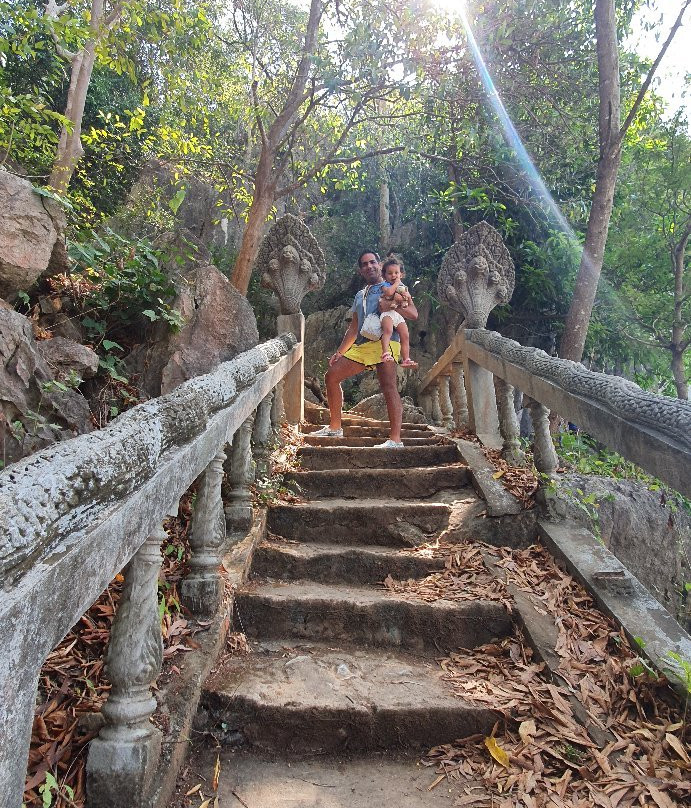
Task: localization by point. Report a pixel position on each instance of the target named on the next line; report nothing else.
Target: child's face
(392, 273)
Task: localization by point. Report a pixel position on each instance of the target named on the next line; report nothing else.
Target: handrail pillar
(261, 435)
(202, 589)
(240, 475)
(483, 419)
(445, 402)
(508, 423)
(544, 453)
(458, 396)
(435, 397)
(294, 383)
(124, 756)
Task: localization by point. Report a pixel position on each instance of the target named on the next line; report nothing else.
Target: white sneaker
(389, 444)
(326, 432)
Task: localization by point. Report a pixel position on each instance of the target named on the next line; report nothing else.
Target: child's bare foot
(408, 363)
(386, 356)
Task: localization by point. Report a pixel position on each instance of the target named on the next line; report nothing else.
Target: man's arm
(348, 339)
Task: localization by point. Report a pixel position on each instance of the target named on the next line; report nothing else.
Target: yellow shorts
(369, 353)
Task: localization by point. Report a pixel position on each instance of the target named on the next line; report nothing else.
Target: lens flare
(510, 133)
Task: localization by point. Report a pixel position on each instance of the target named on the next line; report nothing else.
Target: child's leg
(404, 334)
(386, 334)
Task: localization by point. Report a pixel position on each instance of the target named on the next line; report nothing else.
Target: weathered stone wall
(650, 535)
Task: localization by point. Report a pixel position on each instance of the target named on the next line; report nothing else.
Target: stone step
(332, 563)
(429, 440)
(408, 483)
(271, 780)
(317, 458)
(314, 699)
(365, 616)
(357, 431)
(339, 521)
(321, 417)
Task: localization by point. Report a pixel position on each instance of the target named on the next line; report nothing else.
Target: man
(356, 353)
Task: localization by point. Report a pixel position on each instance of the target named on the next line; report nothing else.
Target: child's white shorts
(394, 315)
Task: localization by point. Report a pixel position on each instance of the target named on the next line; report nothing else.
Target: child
(395, 291)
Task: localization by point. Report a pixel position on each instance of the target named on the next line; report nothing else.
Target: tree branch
(644, 87)
(334, 161)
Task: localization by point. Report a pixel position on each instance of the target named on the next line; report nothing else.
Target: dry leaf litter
(539, 755)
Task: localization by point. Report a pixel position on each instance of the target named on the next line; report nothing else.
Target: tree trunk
(457, 221)
(262, 202)
(384, 215)
(585, 289)
(611, 134)
(70, 149)
(679, 344)
(680, 381)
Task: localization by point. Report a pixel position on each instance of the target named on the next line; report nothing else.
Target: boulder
(64, 356)
(218, 325)
(31, 230)
(375, 407)
(33, 414)
(646, 530)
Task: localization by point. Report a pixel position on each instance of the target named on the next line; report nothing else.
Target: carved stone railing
(473, 383)
(650, 430)
(74, 515)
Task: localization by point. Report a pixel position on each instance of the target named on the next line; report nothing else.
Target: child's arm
(390, 289)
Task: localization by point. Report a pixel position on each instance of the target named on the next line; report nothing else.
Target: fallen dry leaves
(543, 757)
(465, 576)
(73, 686)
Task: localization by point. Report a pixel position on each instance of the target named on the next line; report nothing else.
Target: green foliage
(118, 282)
(586, 456)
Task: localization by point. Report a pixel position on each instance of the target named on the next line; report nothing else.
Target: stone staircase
(343, 673)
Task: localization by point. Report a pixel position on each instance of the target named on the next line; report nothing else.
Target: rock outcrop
(31, 232)
(65, 356)
(218, 325)
(375, 407)
(647, 533)
(33, 412)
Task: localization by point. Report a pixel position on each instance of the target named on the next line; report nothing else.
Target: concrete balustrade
(74, 515)
(650, 430)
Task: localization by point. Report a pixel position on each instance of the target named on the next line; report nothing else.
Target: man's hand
(334, 358)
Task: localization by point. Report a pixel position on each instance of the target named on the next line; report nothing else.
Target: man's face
(370, 268)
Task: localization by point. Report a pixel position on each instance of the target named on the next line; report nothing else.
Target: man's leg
(386, 334)
(386, 373)
(341, 369)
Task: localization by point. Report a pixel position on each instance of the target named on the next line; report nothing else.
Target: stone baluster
(459, 400)
(202, 589)
(261, 436)
(508, 424)
(437, 417)
(124, 756)
(425, 400)
(546, 460)
(240, 473)
(277, 410)
(445, 403)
